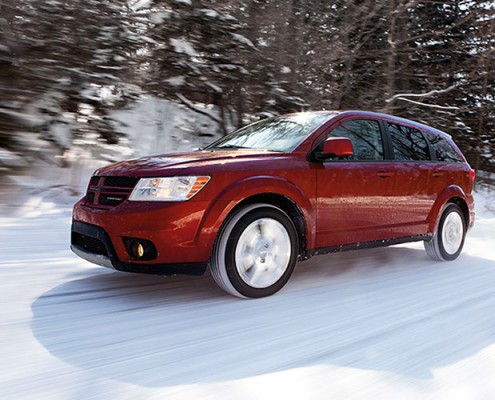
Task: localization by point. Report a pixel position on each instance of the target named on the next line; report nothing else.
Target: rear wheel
(255, 252)
(448, 240)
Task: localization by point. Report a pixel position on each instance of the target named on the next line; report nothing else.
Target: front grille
(88, 243)
(109, 191)
(120, 181)
(111, 200)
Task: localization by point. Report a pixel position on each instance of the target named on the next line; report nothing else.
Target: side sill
(367, 245)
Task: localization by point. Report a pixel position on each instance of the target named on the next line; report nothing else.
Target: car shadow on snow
(390, 310)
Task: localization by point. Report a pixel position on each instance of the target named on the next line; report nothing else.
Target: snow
(148, 40)
(183, 46)
(157, 126)
(216, 88)
(176, 81)
(142, 4)
(10, 159)
(151, 125)
(159, 17)
(184, 2)
(61, 132)
(210, 13)
(383, 323)
(242, 39)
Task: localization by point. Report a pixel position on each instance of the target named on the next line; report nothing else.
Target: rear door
(414, 193)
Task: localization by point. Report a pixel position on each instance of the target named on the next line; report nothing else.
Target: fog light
(140, 249)
(137, 249)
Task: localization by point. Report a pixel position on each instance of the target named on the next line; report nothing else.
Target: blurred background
(88, 82)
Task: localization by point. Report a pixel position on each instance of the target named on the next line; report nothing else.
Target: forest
(65, 66)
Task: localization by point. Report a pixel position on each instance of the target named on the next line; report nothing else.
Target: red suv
(279, 190)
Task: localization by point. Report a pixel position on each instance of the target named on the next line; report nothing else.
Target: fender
(448, 193)
(223, 204)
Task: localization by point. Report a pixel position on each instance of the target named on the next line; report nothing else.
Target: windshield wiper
(227, 147)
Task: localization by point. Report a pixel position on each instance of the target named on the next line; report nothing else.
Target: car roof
(376, 115)
(388, 117)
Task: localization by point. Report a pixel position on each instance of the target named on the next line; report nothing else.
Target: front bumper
(175, 228)
(93, 244)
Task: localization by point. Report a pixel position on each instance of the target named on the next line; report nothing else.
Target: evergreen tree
(204, 54)
(63, 64)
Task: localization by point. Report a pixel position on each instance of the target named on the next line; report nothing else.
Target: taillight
(472, 174)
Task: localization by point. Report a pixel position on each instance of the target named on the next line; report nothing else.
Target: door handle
(437, 174)
(385, 174)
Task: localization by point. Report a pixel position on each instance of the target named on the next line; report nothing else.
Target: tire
(255, 252)
(448, 240)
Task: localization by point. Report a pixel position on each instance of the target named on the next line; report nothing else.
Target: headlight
(179, 188)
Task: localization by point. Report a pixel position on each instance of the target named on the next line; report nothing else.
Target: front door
(355, 196)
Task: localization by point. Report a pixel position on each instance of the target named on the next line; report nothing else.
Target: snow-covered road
(383, 323)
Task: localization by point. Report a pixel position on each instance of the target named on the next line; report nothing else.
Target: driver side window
(366, 139)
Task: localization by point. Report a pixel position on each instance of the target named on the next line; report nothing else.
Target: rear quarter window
(442, 149)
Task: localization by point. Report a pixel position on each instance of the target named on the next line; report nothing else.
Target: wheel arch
(288, 206)
(276, 191)
(462, 204)
(452, 194)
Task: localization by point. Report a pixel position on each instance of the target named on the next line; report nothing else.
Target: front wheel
(448, 240)
(255, 252)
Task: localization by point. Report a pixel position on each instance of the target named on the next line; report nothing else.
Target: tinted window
(409, 144)
(365, 137)
(442, 149)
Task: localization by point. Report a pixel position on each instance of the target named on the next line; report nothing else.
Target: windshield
(282, 133)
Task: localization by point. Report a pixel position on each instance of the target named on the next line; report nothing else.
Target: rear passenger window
(366, 139)
(408, 143)
(442, 149)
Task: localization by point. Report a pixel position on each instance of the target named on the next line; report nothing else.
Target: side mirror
(337, 147)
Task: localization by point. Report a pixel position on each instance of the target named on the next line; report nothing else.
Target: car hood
(174, 162)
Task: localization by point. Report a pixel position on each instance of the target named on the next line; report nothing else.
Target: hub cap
(452, 233)
(262, 253)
